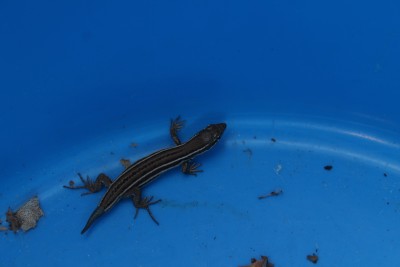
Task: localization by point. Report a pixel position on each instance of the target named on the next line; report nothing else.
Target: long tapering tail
(96, 214)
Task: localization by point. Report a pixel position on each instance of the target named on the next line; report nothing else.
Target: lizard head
(212, 133)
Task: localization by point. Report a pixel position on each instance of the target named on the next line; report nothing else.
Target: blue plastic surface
(82, 80)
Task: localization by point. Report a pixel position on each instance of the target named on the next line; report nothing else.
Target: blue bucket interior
(301, 86)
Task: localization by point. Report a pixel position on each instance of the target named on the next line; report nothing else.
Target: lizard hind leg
(142, 203)
(191, 168)
(90, 185)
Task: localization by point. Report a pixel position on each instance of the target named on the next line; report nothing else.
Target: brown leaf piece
(125, 162)
(313, 258)
(263, 262)
(26, 216)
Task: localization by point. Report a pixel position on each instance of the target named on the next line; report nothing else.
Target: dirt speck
(328, 167)
(133, 145)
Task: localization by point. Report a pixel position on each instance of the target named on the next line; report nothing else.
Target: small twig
(272, 194)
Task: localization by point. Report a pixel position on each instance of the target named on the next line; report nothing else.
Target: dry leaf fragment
(26, 216)
(313, 258)
(125, 162)
(263, 262)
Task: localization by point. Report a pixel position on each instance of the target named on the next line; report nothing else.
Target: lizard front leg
(188, 167)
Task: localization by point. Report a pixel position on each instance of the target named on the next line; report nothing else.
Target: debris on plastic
(249, 152)
(313, 258)
(328, 167)
(134, 145)
(278, 168)
(125, 162)
(274, 193)
(26, 217)
(14, 223)
(263, 262)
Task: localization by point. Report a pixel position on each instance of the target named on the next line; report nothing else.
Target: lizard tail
(96, 214)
